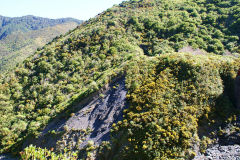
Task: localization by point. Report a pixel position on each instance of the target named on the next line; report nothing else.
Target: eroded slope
(92, 120)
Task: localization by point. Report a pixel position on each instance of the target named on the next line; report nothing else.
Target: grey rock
(95, 113)
(227, 146)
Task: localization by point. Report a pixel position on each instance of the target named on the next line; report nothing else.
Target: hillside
(18, 46)
(175, 105)
(21, 36)
(9, 25)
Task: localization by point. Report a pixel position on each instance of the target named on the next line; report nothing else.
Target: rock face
(90, 124)
(231, 152)
(227, 146)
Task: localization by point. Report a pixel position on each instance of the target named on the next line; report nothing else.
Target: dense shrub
(168, 97)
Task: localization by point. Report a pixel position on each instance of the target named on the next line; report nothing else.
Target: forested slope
(9, 25)
(19, 45)
(170, 94)
(21, 36)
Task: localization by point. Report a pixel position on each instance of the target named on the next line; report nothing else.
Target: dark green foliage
(196, 23)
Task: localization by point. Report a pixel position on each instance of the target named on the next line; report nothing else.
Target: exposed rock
(91, 123)
(218, 152)
(227, 146)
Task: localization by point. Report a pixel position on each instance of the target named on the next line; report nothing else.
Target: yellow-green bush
(33, 153)
(172, 93)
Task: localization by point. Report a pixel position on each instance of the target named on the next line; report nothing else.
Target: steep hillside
(19, 45)
(173, 97)
(9, 25)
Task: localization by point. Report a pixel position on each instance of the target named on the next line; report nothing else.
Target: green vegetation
(19, 45)
(28, 23)
(32, 152)
(21, 36)
(169, 93)
(169, 96)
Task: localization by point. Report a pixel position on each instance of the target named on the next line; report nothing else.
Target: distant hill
(28, 23)
(21, 36)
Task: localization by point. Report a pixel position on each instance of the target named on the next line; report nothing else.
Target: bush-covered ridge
(19, 45)
(125, 39)
(9, 25)
(21, 36)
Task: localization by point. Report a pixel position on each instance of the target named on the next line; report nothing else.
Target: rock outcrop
(227, 146)
(90, 124)
(219, 152)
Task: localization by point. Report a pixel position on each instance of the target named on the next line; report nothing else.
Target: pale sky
(80, 9)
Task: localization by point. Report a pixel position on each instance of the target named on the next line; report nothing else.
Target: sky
(80, 9)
